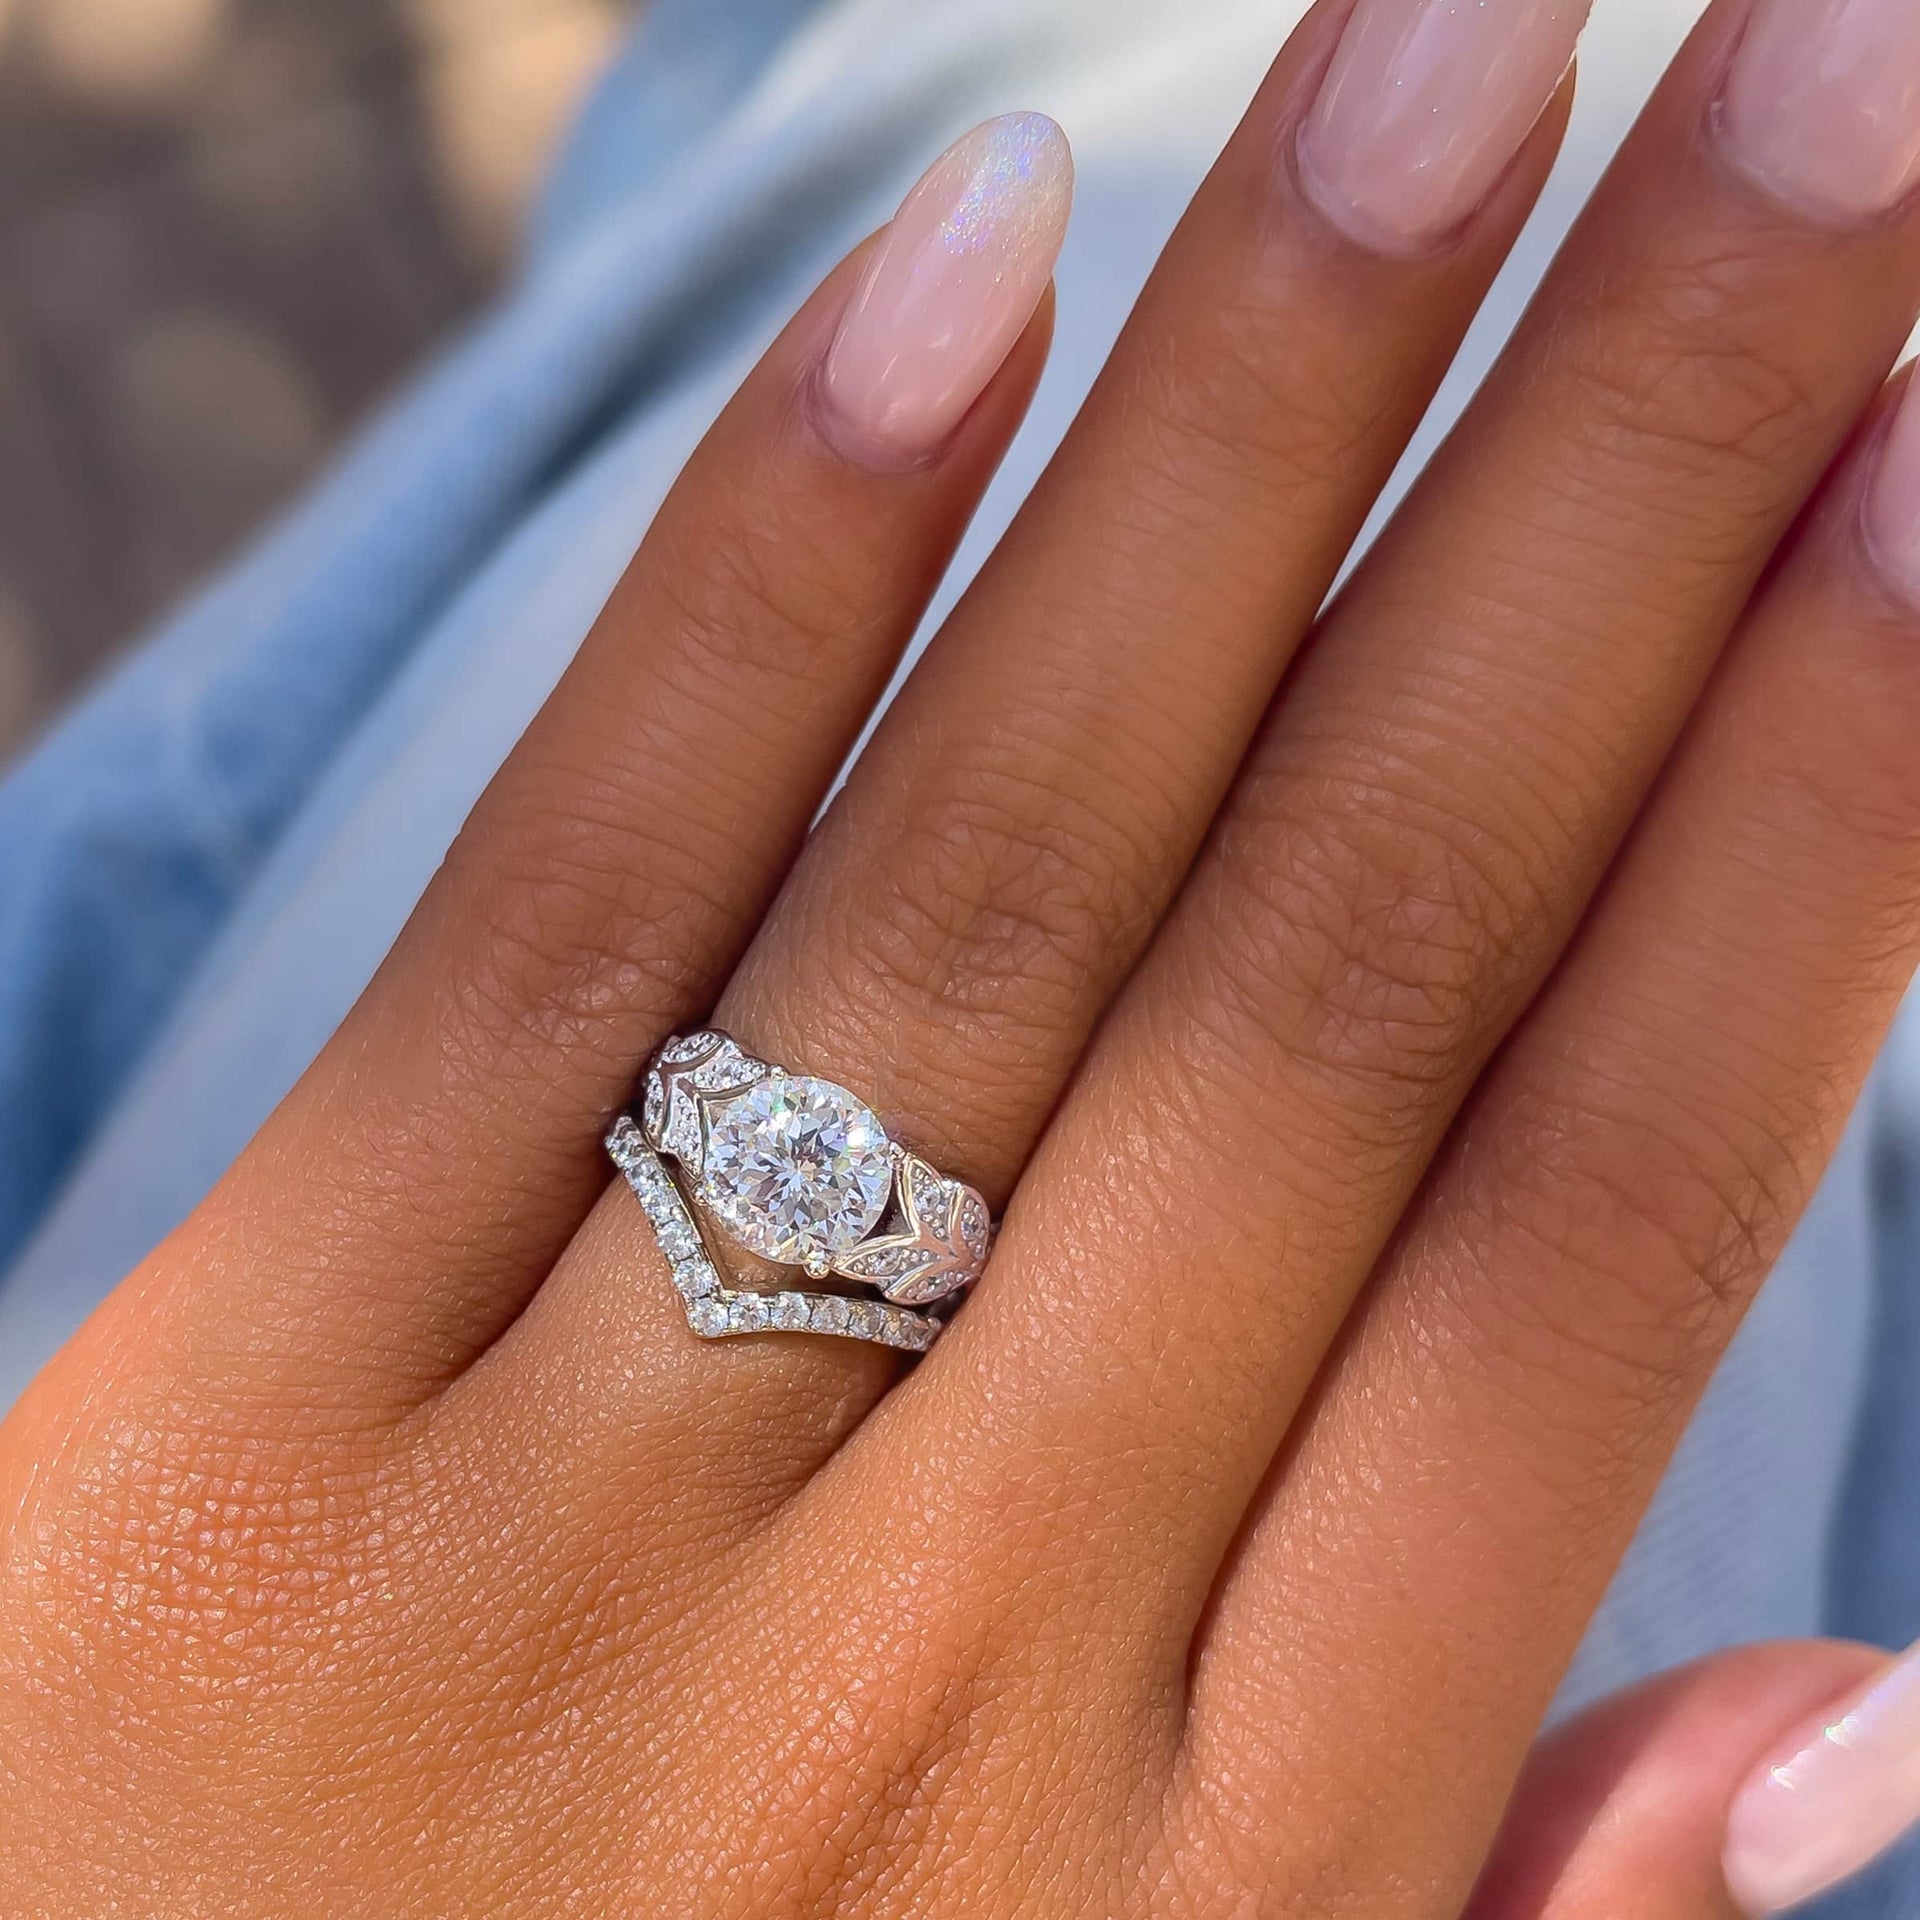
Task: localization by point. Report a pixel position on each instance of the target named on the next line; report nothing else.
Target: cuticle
(1807, 213)
(866, 453)
(1352, 229)
(1884, 578)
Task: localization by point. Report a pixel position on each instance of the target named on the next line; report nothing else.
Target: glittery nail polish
(955, 279)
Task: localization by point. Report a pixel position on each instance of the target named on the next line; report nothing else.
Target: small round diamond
(798, 1169)
(749, 1313)
(695, 1279)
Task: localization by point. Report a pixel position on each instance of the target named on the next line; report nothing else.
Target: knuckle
(597, 897)
(583, 912)
(754, 605)
(1644, 1225)
(603, 926)
(1364, 954)
(1688, 376)
(994, 905)
(1237, 416)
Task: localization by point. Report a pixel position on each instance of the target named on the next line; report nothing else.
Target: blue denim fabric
(200, 867)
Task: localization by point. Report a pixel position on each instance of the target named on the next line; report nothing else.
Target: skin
(1397, 1088)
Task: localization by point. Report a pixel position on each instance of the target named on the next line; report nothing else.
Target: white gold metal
(798, 1171)
(718, 1312)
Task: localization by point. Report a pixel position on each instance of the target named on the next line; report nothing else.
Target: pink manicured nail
(1893, 501)
(954, 282)
(1424, 108)
(1831, 1804)
(1822, 104)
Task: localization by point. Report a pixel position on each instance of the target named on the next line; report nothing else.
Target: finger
(1415, 838)
(1032, 800)
(1605, 1209)
(418, 1183)
(1033, 797)
(1623, 1812)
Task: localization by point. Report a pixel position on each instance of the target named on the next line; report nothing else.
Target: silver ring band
(796, 1171)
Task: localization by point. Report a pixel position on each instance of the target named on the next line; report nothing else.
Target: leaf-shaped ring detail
(939, 1247)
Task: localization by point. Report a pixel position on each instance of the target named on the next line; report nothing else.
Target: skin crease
(386, 1546)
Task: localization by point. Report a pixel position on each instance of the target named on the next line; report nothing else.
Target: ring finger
(1032, 800)
(410, 1194)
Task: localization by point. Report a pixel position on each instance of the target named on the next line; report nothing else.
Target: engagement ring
(797, 1171)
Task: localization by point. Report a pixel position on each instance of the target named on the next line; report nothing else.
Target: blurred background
(226, 228)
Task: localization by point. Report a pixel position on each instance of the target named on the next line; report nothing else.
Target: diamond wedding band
(797, 1171)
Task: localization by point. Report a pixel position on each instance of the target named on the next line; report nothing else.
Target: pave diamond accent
(709, 1064)
(691, 1046)
(941, 1244)
(653, 1107)
(717, 1312)
(797, 1169)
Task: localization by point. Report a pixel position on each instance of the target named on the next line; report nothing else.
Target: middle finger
(1412, 844)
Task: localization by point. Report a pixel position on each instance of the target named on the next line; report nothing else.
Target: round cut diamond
(798, 1169)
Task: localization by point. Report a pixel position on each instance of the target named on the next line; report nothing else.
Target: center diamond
(798, 1169)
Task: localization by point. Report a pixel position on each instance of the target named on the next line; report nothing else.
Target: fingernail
(1822, 104)
(1424, 107)
(1893, 501)
(1830, 1804)
(952, 286)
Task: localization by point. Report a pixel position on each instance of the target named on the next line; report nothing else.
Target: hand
(1396, 1089)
